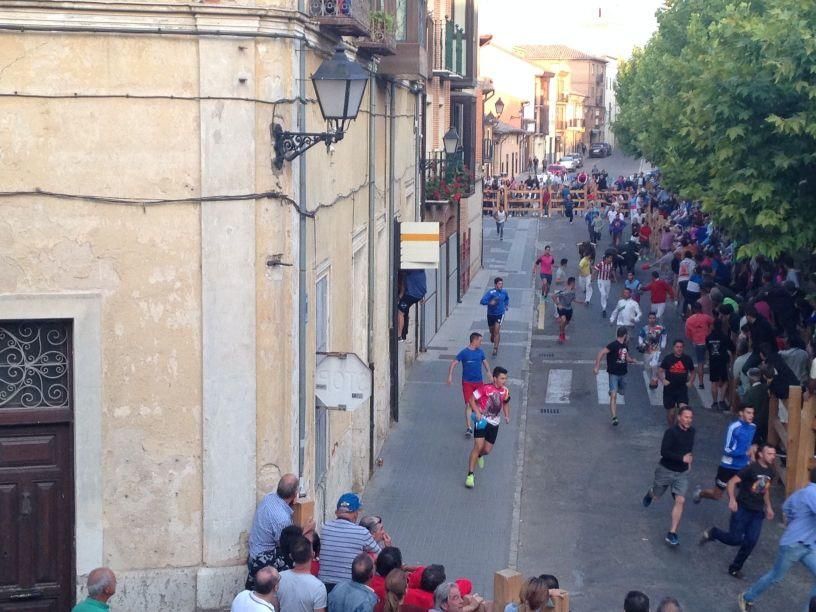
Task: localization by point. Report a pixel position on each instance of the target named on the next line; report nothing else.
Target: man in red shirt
(488, 403)
(660, 290)
(698, 327)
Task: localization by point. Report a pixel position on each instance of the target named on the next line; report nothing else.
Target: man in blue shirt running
(473, 359)
(798, 543)
(737, 452)
(498, 302)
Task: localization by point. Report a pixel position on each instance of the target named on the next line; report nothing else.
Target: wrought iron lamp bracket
(289, 145)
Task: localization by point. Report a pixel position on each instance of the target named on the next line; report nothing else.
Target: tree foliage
(723, 100)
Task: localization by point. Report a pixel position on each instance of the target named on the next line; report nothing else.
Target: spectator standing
(749, 508)
(263, 596)
(355, 595)
(390, 558)
(376, 528)
(342, 541)
(101, 587)
(698, 327)
(298, 590)
(757, 396)
(672, 471)
(473, 360)
(669, 604)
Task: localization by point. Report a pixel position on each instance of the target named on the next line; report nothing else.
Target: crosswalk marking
(559, 384)
(704, 394)
(655, 395)
(602, 385)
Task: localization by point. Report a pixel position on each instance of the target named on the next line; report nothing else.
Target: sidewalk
(419, 490)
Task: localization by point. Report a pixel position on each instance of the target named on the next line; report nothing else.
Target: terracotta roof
(553, 52)
(505, 128)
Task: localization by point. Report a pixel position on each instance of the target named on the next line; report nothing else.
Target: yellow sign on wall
(419, 245)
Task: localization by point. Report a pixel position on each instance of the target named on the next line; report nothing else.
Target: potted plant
(382, 25)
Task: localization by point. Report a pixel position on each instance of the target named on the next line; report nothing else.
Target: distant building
(587, 74)
(610, 99)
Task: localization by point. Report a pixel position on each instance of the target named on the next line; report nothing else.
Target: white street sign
(342, 381)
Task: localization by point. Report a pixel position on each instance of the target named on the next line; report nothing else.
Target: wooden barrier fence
(797, 436)
(535, 202)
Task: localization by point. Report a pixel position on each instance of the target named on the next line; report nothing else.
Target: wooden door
(36, 466)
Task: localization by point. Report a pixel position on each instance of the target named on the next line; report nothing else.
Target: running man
(672, 471)
(487, 402)
(721, 351)
(651, 341)
(617, 361)
(737, 450)
(676, 373)
(749, 509)
(545, 263)
(473, 359)
(585, 276)
(660, 290)
(564, 299)
(798, 543)
(605, 275)
(497, 301)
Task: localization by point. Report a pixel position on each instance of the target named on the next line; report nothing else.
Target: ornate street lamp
(340, 84)
(499, 106)
(451, 141)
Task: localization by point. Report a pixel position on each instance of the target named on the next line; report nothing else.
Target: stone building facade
(171, 289)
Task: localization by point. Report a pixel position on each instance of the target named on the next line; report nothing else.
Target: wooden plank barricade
(797, 437)
(507, 584)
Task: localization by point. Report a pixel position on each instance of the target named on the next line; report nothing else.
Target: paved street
(568, 501)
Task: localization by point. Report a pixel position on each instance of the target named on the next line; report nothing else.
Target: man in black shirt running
(676, 372)
(672, 471)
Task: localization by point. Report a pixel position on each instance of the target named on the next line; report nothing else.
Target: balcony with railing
(448, 49)
(345, 17)
(381, 39)
(413, 33)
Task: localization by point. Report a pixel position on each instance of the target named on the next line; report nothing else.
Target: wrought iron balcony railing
(346, 17)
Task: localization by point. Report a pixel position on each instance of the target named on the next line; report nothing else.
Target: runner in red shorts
(473, 359)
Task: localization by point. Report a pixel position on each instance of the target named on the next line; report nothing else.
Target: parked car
(579, 159)
(568, 161)
(600, 149)
(558, 169)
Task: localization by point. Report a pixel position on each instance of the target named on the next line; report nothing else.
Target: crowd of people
(747, 322)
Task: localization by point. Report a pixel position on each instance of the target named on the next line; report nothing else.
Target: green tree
(723, 99)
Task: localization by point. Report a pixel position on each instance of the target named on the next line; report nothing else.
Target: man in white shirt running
(264, 598)
(626, 313)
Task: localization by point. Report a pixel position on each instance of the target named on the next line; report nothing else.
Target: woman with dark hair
(279, 558)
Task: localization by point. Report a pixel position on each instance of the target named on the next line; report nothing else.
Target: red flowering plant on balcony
(452, 186)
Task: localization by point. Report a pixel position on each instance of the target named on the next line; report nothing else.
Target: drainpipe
(422, 148)
(303, 304)
(392, 261)
(372, 236)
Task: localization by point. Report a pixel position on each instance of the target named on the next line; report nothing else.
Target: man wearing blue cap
(341, 540)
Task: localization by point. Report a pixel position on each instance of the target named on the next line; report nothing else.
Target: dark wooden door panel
(36, 466)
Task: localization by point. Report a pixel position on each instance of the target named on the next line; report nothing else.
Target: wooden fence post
(506, 587)
(303, 512)
(805, 443)
(794, 406)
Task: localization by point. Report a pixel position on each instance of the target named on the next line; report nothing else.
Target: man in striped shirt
(605, 275)
(341, 540)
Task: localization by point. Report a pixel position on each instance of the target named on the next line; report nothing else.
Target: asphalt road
(581, 513)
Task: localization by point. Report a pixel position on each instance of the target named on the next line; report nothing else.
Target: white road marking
(559, 385)
(602, 385)
(655, 395)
